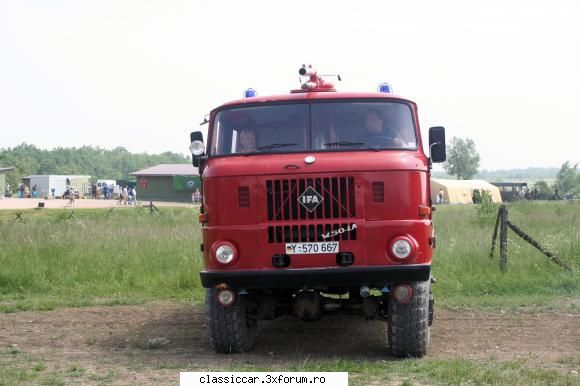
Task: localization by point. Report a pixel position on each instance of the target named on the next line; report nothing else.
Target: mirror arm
(431, 148)
(431, 152)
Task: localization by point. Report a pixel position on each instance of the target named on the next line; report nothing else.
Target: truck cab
(317, 201)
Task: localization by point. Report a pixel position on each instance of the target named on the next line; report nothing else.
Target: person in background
(196, 196)
(440, 196)
(134, 195)
(121, 197)
(34, 192)
(125, 194)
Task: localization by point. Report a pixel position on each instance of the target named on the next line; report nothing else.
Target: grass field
(128, 256)
(468, 277)
(97, 257)
(403, 372)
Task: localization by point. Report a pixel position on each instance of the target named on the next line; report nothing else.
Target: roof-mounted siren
(250, 93)
(315, 81)
(385, 88)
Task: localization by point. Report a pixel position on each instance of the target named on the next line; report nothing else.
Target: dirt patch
(31, 203)
(114, 340)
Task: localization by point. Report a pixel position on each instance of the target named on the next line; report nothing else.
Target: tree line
(463, 163)
(87, 160)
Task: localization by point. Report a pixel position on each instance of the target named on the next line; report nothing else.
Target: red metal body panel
(315, 96)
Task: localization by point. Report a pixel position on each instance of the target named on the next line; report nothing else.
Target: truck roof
(299, 95)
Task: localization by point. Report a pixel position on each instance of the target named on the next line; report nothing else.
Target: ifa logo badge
(310, 199)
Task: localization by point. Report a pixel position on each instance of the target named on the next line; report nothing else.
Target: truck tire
(230, 329)
(408, 331)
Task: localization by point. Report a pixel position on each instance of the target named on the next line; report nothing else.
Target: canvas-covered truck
(314, 202)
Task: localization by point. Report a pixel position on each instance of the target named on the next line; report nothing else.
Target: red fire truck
(314, 202)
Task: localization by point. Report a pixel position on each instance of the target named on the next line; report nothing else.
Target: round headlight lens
(224, 254)
(402, 249)
(197, 148)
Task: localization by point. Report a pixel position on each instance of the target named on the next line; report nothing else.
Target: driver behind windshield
(376, 134)
(247, 141)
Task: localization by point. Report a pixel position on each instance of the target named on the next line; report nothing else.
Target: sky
(142, 74)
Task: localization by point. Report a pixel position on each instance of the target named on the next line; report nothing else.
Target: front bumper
(317, 277)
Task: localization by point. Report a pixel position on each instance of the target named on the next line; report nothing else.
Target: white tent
(461, 191)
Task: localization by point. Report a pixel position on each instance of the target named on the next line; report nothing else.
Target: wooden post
(503, 243)
(494, 237)
(152, 208)
(19, 217)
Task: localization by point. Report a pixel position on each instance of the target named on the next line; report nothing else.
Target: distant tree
(462, 158)
(530, 173)
(87, 160)
(567, 178)
(544, 190)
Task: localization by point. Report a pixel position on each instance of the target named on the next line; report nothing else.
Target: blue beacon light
(385, 88)
(250, 92)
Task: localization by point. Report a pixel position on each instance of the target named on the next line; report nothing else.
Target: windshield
(319, 126)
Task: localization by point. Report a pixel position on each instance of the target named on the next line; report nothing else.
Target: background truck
(317, 201)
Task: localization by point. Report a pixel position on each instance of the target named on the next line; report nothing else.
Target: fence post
(19, 217)
(503, 243)
(152, 208)
(494, 237)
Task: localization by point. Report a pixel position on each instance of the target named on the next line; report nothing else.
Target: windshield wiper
(275, 146)
(344, 143)
(268, 147)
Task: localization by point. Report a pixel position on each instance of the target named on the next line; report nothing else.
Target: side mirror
(437, 144)
(197, 148)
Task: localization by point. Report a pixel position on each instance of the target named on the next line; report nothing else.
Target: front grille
(338, 195)
(311, 233)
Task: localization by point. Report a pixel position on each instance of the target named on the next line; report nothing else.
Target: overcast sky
(142, 74)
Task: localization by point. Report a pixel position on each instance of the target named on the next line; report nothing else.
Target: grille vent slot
(310, 233)
(244, 196)
(378, 192)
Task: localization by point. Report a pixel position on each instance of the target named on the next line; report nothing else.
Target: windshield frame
(310, 103)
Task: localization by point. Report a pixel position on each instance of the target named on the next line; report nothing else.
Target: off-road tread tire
(229, 328)
(408, 330)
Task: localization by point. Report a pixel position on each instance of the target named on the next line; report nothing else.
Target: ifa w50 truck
(314, 202)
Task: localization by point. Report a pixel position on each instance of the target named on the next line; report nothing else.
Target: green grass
(18, 368)
(126, 256)
(442, 371)
(467, 277)
(129, 256)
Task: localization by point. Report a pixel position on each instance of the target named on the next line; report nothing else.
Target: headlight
(225, 254)
(197, 148)
(402, 249)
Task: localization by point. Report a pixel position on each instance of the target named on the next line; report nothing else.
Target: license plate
(309, 248)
